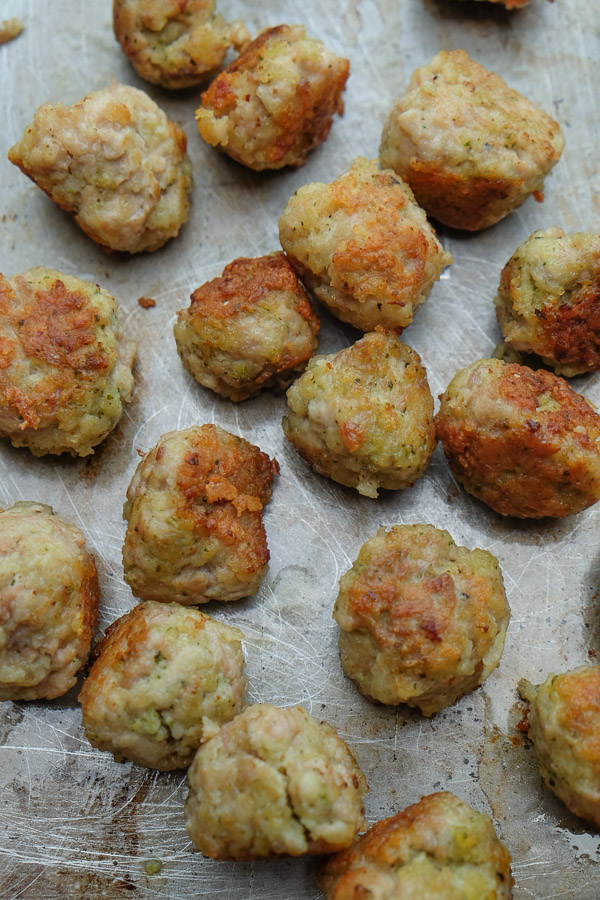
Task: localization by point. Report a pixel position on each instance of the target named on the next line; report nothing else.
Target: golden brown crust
(522, 441)
(288, 130)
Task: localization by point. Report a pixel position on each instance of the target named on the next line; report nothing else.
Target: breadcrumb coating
(115, 162)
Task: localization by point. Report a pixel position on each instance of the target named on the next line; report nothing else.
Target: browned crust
(580, 713)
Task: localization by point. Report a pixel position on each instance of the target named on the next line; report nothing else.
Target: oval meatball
(363, 246)
(250, 329)
(273, 782)
(422, 620)
(364, 416)
(175, 43)
(437, 849)
(115, 162)
(522, 441)
(548, 301)
(66, 370)
(471, 148)
(194, 514)
(274, 103)
(48, 603)
(164, 680)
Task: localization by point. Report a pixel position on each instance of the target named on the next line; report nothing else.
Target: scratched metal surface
(74, 823)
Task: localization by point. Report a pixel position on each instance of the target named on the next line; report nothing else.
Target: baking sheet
(73, 822)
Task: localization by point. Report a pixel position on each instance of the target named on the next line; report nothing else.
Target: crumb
(146, 302)
(10, 29)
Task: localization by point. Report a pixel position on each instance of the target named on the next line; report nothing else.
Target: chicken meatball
(521, 441)
(115, 162)
(363, 246)
(65, 370)
(437, 849)
(250, 329)
(175, 43)
(471, 148)
(422, 620)
(194, 514)
(272, 782)
(564, 725)
(48, 603)
(276, 101)
(548, 301)
(165, 679)
(364, 416)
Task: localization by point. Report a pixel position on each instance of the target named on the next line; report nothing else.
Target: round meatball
(363, 246)
(564, 725)
(422, 620)
(194, 514)
(471, 148)
(48, 603)
(115, 162)
(250, 329)
(548, 300)
(439, 849)
(164, 681)
(522, 441)
(272, 782)
(364, 416)
(175, 43)
(65, 370)
(276, 101)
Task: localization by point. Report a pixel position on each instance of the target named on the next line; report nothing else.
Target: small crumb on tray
(146, 302)
(10, 29)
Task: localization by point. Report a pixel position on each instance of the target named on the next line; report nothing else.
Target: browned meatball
(275, 103)
(522, 441)
(548, 300)
(437, 849)
(194, 513)
(175, 43)
(363, 246)
(422, 620)
(250, 329)
(471, 148)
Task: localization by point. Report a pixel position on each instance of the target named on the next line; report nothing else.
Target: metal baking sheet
(74, 823)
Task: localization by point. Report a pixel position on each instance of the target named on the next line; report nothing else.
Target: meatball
(363, 246)
(274, 781)
(471, 148)
(548, 300)
(164, 681)
(252, 328)
(422, 620)
(194, 513)
(115, 162)
(364, 416)
(521, 441)
(437, 849)
(65, 370)
(276, 101)
(564, 725)
(175, 43)
(48, 603)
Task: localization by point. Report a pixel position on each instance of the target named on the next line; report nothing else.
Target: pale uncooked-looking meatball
(363, 246)
(471, 148)
(272, 782)
(165, 679)
(437, 849)
(564, 725)
(115, 162)
(250, 329)
(48, 603)
(548, 300)
(522, 441)
(364, 416)
(422, 620)
(175, 43)
(194, 514)
(65, 370)
(274, 103)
